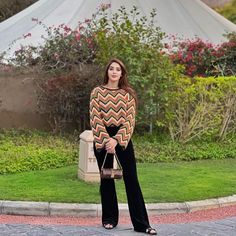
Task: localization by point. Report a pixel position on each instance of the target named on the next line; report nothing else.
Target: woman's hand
(110, 145)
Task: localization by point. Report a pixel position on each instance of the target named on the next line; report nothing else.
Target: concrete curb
(94, 210)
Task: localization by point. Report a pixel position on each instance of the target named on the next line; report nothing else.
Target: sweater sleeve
(125, 132)
(99, 131)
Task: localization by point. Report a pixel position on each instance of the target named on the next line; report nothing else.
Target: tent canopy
(184, 18)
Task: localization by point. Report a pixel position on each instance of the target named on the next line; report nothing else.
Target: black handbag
(111, 173)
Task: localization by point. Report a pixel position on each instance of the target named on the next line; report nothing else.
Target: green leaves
(135, 40)
(201, 107)
(26, 151)
(159, 148)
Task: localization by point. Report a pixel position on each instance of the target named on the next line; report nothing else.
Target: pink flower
(180, 56)
(87, 21)
(67, 29)
(189, 56)
(104, 6)
(56, 56)
(80, 28)
(78, 36)
(27, 35)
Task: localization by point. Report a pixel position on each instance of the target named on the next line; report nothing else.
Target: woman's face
(114, 72)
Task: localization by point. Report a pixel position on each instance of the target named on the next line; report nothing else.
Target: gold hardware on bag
(112, 173)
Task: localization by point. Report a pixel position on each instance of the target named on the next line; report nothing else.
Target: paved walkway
(226, 227)
(213, 222)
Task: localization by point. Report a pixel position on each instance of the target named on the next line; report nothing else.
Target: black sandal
(151, 231)
(108, 226)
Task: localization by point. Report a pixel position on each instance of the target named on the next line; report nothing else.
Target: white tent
(184, 18)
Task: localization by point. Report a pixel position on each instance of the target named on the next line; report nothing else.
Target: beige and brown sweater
(111, 107)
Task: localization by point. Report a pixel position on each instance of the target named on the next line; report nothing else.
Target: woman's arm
(125, 132)
(99, 131)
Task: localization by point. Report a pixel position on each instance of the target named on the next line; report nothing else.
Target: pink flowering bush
(204, 59)
(226, 57)
(63, 49)
(65, 73)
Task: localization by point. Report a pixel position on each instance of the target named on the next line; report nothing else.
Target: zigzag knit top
(111, 107)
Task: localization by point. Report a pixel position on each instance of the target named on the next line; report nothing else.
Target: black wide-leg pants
(137, 209)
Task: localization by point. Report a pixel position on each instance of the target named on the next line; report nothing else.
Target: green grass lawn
(161, 182)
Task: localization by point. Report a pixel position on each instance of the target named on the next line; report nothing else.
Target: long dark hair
(123, 82)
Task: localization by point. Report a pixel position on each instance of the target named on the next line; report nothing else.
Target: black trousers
(137, 209)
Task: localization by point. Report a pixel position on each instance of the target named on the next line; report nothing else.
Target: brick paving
(213, 222)
(225, 227)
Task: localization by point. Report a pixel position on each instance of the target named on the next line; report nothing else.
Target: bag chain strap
(116, 160)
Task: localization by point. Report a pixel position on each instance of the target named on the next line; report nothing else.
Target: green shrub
(228, 11)
(65, 98)
(22, 150)
(160, 148)
(25, 150)
(137, 42)
(201, 107)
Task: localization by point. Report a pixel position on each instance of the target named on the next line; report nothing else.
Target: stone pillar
(88, 168)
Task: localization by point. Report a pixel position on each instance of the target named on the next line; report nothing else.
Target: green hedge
(25, 150)
(151, 148)
(201, 107)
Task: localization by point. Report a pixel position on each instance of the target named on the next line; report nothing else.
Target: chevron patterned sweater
(111, 107)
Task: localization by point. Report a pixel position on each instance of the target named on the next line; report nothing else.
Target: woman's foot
(151, 231)
(108, 226)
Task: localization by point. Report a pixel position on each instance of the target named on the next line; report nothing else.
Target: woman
(112, 119)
